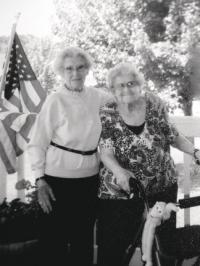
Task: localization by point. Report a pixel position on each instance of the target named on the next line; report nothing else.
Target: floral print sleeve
(106, 134)
(169, 130)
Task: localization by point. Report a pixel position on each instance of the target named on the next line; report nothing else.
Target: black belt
(72, 150)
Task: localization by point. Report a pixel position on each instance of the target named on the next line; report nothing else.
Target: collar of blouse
(76, 93)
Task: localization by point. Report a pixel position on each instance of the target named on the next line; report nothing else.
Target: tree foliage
(159, 36)
(156, 35)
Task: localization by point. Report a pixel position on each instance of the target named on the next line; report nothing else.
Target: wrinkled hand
(45, 195)
(122, 179)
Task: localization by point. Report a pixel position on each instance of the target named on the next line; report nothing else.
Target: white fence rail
(190, 127)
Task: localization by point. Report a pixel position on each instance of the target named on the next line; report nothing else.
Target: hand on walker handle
(122, 179)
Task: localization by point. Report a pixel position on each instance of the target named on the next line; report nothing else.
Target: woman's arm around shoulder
(156, 101)
(104, 95)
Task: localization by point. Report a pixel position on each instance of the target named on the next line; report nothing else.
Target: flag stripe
(31, 92)
(5, 114)
(5, 159)
(40, 91)
(26, 97)
(24, 106)
(8, 105)
(14, 120)
(21, 142)
(15, 101)
(28, 125)
(32, 96)
(11, 135)
(18, 122)
(8, 153)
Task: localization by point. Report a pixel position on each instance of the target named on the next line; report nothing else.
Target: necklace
(73, 90)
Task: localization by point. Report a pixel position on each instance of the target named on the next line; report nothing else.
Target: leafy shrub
(19, 221)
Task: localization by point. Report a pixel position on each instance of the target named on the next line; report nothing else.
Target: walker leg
(157, 258)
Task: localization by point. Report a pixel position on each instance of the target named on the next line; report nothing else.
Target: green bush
(19, 221)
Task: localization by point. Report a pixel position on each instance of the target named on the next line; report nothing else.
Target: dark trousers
(118, 224)
(66, 236)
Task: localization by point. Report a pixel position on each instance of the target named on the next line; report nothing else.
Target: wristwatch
(195, 157)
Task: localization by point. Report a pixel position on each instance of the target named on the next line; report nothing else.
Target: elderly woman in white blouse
(65, 162)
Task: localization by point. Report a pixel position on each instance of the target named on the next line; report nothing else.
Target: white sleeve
(41, 135)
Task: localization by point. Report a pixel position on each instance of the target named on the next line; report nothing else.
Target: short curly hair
(122, 69)
(71, 52)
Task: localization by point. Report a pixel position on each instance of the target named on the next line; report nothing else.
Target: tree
(155, 34)
(106, 28)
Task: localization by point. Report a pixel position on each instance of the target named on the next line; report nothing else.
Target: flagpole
(13, 30)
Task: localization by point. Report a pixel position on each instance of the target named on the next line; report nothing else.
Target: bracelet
(195, 157)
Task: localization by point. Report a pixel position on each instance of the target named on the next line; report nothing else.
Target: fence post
(21, 175)
(95, 244)
(3, 181)
(187, 163)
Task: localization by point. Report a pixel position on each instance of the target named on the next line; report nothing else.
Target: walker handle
(189, 202)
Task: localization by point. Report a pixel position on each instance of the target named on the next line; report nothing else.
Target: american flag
(22, 89)
(23, 98)
(15, 128)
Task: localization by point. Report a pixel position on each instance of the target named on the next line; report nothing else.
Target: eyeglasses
(129, 85)
(79, 69)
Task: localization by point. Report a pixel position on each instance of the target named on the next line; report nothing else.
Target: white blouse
(70, 119)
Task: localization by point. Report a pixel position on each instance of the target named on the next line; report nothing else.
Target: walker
(162, 251)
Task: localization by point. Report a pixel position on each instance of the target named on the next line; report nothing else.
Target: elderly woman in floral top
(135, 141)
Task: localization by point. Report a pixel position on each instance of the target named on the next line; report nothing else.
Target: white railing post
(189, 126)
(21, 175)
(95, 244)
(187, 163)
(3, 181)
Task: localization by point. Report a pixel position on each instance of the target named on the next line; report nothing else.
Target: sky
(34, 19)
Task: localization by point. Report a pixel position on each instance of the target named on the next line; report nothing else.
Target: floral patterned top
(147, 154)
